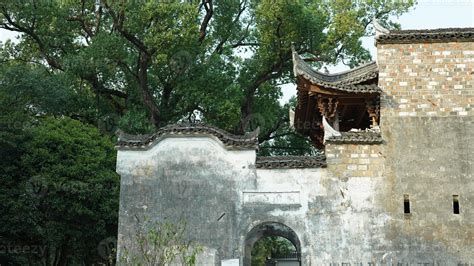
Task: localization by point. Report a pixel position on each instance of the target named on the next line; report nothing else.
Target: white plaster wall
(324, 210)
(195, 147)
(342, 218)
(337, 219)
(206, 167)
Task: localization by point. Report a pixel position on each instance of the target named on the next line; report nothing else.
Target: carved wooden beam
(373, 108)
(327, 106)
(302, 97)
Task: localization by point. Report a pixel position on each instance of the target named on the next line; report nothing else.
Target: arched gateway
(269, 229)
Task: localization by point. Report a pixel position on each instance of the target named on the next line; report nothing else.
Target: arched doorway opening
(276, 231)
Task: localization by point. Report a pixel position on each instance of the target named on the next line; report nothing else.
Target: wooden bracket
(373, 108)
(328, 106)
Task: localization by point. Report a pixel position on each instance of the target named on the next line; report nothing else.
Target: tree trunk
(147, 97)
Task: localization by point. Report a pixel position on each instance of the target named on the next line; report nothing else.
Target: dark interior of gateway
(274, 251)
(276, 231)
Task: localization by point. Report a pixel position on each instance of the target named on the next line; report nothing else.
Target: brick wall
(355, 160)
(427, 79)
(427, 123)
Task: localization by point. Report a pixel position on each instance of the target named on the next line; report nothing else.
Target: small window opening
(455, 204)
(406, 204)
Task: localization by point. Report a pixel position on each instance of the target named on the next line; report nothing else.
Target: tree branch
(147, 97)
(268, 135)
(220, 46)
(272, 72)
(118, 20)
(209, 7)
(239, 44)
(144, 59)
(80, 18)
(30, 32)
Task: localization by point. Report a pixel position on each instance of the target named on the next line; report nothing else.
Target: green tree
(150, 63)
(284, 140)
(13, 121)
(64, 194)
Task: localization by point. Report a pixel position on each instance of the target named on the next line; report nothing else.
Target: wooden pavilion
(348, 100)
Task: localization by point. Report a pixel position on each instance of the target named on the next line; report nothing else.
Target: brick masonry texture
(355, 160)
(427, 79)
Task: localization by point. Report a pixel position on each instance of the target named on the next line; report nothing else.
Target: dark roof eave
(343, 81)
(356, 89)
(359, 137)
(291, 162)
(426, 36)
(230, 141)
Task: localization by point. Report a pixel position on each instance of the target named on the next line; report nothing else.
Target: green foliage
(285, 140)
(160, 62)
(63, 194)
(13, 122)
(135, 120)
(160, 243)
(270, 247)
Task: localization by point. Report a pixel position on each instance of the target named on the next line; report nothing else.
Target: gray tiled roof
(433, 35)
(288, 162)
(348, 81)
(358, 137)
(358, 88)
(248, 141)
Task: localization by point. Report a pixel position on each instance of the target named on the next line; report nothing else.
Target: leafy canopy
(149, 63)
(59, 194)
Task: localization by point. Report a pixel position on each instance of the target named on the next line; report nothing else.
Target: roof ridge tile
(291, 161)
(127, 141)
(426, 35)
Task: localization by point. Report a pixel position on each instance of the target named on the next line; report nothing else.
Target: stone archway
(269, 229)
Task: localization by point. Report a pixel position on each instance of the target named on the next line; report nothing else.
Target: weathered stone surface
(350, 212)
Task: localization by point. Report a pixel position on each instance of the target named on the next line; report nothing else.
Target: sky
(427, 14)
